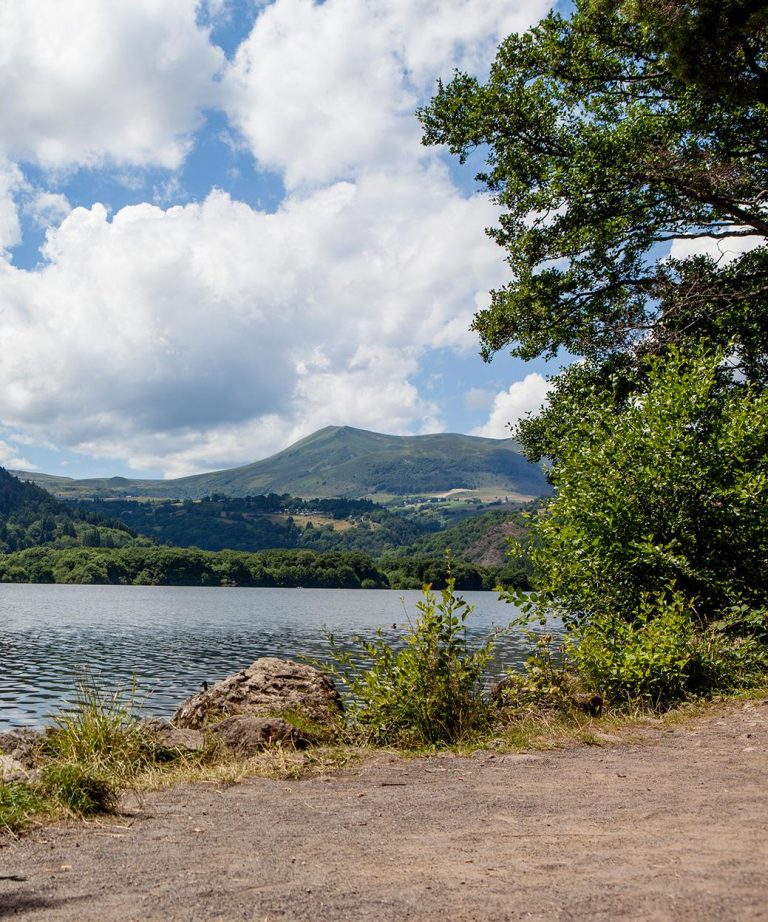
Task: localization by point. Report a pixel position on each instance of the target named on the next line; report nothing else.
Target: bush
(80, 788)
(670, 487)
(430, 691)
(101, 732)
(665, 654)
(648, 658)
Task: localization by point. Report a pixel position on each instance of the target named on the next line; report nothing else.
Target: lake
(173, 638)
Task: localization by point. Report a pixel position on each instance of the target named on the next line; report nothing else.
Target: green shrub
(18, 804)
(80, 788)
(647, 658)
(665, 654)
(101, 731)
(547, 681)
(430, 691)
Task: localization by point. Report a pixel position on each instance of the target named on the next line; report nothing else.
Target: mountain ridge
(341, 461)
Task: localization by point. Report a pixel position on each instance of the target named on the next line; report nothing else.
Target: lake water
(173, 638)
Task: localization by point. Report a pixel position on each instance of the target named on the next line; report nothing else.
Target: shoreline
(667, 820)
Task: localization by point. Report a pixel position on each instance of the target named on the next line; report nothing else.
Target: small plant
(19, 803)
(79, 788)
(547, 681)
(427, 693)
(100, 731)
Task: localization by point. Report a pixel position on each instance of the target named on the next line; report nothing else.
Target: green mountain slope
(31, 517)
(342, 461)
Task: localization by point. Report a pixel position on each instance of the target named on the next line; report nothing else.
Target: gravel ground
(670, 826)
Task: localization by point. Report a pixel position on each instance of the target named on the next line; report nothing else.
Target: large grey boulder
(249, 735)
(269, 687)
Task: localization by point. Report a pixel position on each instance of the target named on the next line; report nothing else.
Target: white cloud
(510, 406)
(323, 91)
(722, 251)
(477, 398)
(87, 82)
(10, 458)
(212, 333)
(11, 180)
(47, 208)
(209, 334)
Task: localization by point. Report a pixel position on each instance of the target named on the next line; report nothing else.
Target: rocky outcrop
(172, 739)
(269, 687)
(22, 745)
(13, 770)
(249, 735)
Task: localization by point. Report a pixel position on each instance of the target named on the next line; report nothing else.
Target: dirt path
(672, 827)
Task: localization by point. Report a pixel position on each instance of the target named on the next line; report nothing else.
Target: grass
(101, 732)
(21, 805)
(97, 749)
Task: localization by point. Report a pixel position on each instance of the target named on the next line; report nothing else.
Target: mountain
(342, 461)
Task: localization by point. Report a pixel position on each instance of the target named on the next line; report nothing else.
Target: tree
(611, 134)
(672, 491)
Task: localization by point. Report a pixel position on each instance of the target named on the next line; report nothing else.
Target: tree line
(170, 566)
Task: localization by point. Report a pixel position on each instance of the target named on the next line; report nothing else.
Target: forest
(170, 566)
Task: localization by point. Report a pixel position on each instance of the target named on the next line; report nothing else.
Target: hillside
(342, 461)
(31, 517)
(255, 523)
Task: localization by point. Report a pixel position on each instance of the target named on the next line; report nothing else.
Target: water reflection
(173, 638)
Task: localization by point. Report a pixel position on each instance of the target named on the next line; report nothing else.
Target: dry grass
(23, 805)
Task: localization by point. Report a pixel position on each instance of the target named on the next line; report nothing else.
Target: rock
(270, 686)
(22, 745)
(248, 735)
(171, 738)
(13, 770)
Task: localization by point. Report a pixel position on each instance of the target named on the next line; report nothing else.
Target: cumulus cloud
(510, 406)
(47, 208)
(323, 91)
(179, 337)
(83, 82)
(722, 251)
(9, 457)
(210, 333)
(11, 180)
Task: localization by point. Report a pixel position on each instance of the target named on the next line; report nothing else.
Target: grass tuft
(101, 731)
(79, 789)
(20, 804)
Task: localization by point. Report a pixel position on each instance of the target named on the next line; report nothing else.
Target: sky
(219, 231)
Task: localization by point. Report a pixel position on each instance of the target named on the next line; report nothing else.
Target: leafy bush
(665, 654)
(430, 691)
(647, 658)
(671, 488)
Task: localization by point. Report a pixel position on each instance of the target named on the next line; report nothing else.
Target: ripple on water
(173, 638)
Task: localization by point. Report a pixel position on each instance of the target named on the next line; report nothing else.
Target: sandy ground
(673, 826)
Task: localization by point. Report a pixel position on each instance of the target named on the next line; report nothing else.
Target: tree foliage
(611, 133)
(620, 139)
(671, 491)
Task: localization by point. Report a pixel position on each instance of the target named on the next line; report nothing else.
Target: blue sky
(219, 231)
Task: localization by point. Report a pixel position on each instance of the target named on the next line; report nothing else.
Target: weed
(429, 692)
(80, 789)
(101, 731)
